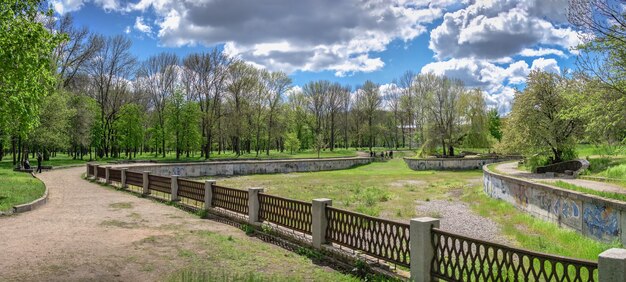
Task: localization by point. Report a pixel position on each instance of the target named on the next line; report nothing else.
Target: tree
(370, 102)
(444, 113)
(158, 77)
(26, 73)
(292, 143)
(276, 84)
(538, 121)
(53, 130)
(129, 126)
(495, 126)
(110, 70)
(476, 122)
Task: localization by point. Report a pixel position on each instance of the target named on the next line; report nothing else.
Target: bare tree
(158, 76)
(73, 54)
(371, 102)
(276, 84)
(110, 69)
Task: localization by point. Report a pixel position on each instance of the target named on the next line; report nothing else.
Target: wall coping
(458, 159)
(245, 161)
(34, 204)
(559, 191)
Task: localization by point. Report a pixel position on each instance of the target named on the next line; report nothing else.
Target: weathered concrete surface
(227, 168)
(454, 163)
(595, 217)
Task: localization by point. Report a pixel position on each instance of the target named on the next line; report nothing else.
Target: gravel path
(90, 233)
(457, 217)
(510, 168)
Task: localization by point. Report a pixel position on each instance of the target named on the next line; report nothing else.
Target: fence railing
(461, 258)
(429, 251)
(285, 212)
(160, 183)
(134, 178)
(189, 189)
(377, 237)
(230, 199)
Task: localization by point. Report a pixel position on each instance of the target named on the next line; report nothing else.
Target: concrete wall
(596, 217)
(221, 168)
(454, 163)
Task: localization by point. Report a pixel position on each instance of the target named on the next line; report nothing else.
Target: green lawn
(18, 188)
(569, 186)
(390, 189)
(387, 189)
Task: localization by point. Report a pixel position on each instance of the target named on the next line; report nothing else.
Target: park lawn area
(390, 190)
(18, 188)
(210, 256)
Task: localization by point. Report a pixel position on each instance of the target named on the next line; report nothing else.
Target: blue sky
(492, 45)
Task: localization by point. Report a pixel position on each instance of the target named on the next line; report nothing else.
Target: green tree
(495, 125)
(129, 126)
(539, 122)
(26, 73)
(291, 142)
(474, 111)
(52, 132)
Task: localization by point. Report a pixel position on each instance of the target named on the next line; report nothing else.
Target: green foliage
(495, 126)
(618, 172)
(309, 253)
(182, 119)
(474, 109)
(539, 121)
(292, 143)
(26, 74)
(130, 126)
(53, 130)
(248, 229)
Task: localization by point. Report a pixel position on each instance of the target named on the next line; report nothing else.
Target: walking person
(39, 162)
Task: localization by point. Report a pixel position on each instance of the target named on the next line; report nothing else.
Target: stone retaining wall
(221, 168)
(454, 163)
(596, 217)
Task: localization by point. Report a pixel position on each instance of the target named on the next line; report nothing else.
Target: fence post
(208, 193)
(422, 251)
(95, 172)
(174, 188)
(107, 180)
(146, 183)
(319, 222)
(253, 204)
(612, 265)
(123, 178)
(87, 170)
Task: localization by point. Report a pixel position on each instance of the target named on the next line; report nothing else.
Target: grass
(532, 233)
(387, 189)
(210, 256)
(390, 190)
(569, 186)
(18, 188)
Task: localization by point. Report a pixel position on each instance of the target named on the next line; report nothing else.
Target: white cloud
(66, 6)
(496, 29)
(142, 27)
(284, 35)
(549, 65)
(528, 52)
(127, 29)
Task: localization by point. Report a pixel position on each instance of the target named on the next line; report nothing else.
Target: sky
(492, 45)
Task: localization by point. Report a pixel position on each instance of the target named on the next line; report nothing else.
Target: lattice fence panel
(115, 175)
(101, 172)
(384, 239)
(134, 178)
(90, 170)
(289, 213)
(231, 199)
(160, 183)
(459, 258)
(191, 189)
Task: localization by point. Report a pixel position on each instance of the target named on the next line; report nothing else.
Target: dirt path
(89, 232)
(510, 168)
